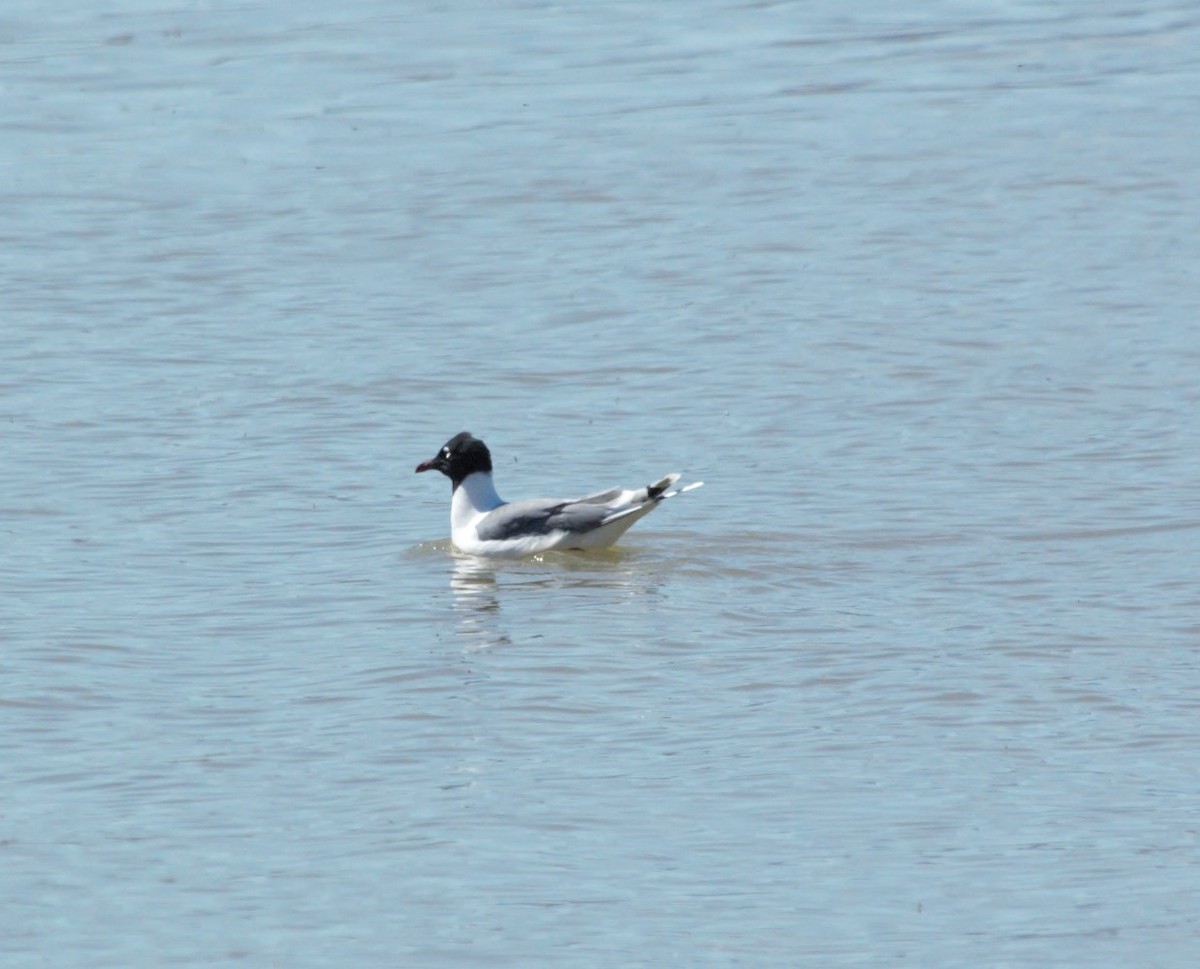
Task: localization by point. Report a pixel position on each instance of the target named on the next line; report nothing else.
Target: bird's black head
(460, 456)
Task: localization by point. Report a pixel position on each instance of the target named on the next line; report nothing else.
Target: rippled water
(913, 680)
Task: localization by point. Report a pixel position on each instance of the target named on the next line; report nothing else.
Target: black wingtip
(655, 491)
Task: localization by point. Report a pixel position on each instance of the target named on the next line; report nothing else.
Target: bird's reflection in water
(478, 584)
(474, 586)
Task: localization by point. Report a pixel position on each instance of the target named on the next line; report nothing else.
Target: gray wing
(540, 516)
(599, 498)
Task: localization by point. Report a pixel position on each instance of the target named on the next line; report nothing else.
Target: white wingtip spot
(672, 494)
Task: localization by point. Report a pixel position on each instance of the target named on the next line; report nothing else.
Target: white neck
(472, 498)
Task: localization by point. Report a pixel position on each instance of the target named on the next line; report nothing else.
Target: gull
(482, 523)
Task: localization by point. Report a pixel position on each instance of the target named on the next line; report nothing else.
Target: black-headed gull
(482, 523)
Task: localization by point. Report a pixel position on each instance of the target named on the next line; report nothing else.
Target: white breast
(472, 499)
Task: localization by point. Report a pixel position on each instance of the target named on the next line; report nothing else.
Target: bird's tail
(658, 491)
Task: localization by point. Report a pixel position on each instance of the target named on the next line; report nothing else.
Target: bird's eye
(446, 451)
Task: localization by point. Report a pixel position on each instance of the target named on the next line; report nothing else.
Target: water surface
(912, 680)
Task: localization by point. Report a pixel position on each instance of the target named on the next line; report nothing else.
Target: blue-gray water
(914, 680)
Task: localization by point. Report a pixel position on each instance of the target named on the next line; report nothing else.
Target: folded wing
(577, 516)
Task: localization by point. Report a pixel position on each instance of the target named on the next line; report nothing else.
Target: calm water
(915, 680)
